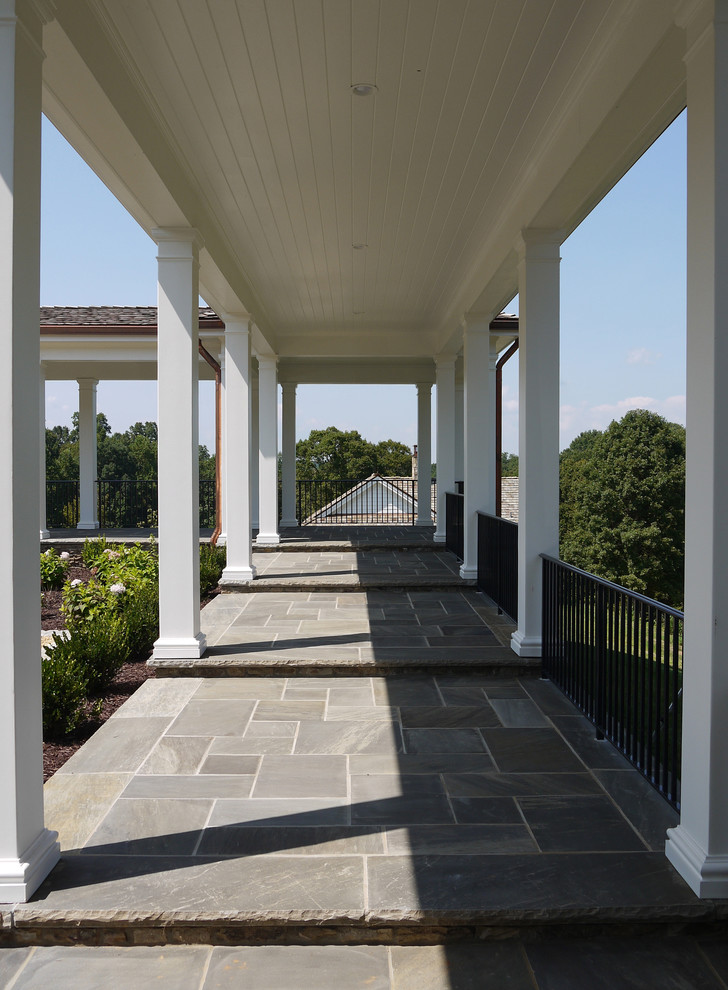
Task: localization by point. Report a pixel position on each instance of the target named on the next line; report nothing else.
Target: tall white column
(239, 567)
(424, 455)
(698, 847)
(178, 456)
(268, 464)
(28, 851)
(538, 391)
(44, 534)
(459, 448)
(445, 426)
(288, 456)
(222, 536)
(255, 452)
(87, 454)
(479, 425)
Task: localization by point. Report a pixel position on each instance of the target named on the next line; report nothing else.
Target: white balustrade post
(44, 534)
(538, 396)
(255, 451)
(698, 847)
(28, 851)
(268, 428)
(87, 454)
(288, 456)
(239, 567)
(424, 455)
(445, 426)
(479, 425)
(178, 454)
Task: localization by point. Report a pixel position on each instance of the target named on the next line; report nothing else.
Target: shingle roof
(113, 316)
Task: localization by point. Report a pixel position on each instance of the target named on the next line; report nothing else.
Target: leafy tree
(623, 504)
(509, 465)
(333, 453)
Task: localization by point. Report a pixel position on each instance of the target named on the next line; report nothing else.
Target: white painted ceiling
(237, 116)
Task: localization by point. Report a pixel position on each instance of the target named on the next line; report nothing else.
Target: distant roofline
(112, 320)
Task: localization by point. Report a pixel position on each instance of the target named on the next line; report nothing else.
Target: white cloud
(575, 419)
(642, 355)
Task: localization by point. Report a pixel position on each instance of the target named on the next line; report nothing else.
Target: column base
(267, 539)
(288, 523)
(20, 878)
(169, 648)
(237, 575)
(45, 535)
(706, 875)
(439, 537)
(526, 646)
(468, 573)
(86, 524)
(424, 522)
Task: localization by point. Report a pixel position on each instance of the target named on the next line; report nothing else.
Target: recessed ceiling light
(363, 89)
(359, 247)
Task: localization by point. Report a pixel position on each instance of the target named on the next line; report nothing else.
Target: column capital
(267, 360)
(87, 382)
(289, 387)
(237, 323)
(540, 244)
(171, 242)
(426, 387)
(444, 361)
(473, 323)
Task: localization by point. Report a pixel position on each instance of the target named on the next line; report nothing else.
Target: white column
(698, 847)
(459, 448)
(28, 851)
(87, 454)
(255, 452)
(222, 537)
(538, 389)
(268, 464)
(288, 455)
(445, 426)
(178, 456)
(424, 455)
(239, 567)
(44, 534)
(479, 425)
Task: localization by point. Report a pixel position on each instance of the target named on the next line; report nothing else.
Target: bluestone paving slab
(549, 699)
(529, 750)
(212, 718)
(176, 754)
(348, 737)
(627, 964)
(227, 688)
(75, 804)
(281, 812)
(314, 840)
(278, 728)
(574, 824)
(184, 786)
(492, 784)
(408, 763)
(276, 967)
(89, 968)
(641, 804)
(289, 711)
(253, 745)
(460, 717)
(518, 713)
(495, 966)
(301, 776)
(150, 826)
(230, 764)
(460, 840)
(121, 745)
(581, 735)
(437, 741)
(11, 962)
(159, 697)
(715, 951)
(357, 714)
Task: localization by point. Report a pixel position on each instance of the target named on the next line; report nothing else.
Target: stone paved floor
(351, 801)
(355, 628)
(554, 964)
(383, 566)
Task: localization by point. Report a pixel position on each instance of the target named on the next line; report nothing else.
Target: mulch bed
(130, 677)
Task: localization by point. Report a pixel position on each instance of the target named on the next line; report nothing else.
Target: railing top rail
(491, 515)
(667, 609)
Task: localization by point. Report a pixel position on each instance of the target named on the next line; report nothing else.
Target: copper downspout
(499, 423)
(218, 443)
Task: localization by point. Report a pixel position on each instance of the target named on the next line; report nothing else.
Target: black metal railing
(347, 502)
(455, 524)
(498, 562)
(618, 656)
(122, 504)
(62, 504)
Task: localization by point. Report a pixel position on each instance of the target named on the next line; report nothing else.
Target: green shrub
(93, 550)
(64, 689)
(85, 601)
(53, 569)
(212, 562)
(100, 648)
(140, 612)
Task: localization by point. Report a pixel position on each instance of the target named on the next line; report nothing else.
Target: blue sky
(622, 304)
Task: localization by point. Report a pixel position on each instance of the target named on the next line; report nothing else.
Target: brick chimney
(414, 461)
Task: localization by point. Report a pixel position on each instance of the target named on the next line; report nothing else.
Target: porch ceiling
(238, 118)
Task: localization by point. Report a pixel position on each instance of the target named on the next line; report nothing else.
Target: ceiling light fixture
(363, 89)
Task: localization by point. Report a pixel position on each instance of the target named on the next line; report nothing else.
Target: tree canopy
(129, 455)
(334, 453)
(623, 504)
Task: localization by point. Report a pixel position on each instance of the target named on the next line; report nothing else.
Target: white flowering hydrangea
(118, 588)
